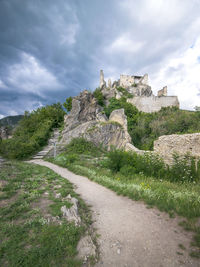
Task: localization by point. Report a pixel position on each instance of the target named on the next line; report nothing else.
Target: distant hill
(11, 121)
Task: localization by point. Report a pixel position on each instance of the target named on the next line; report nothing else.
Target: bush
(81, 146)
(99, 96)
(124, 92)
(182, 170)
(127, 170)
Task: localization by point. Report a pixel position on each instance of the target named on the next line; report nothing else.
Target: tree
(68, 104)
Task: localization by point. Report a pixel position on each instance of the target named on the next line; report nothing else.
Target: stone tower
(102, 82)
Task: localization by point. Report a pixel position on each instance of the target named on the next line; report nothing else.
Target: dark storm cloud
(50, 49)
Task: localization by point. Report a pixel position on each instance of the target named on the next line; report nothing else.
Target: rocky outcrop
(71, 214)
(84, 109)
(102, 82)
(87, 120)
(182, 144)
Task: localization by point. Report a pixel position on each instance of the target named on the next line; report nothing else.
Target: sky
(50, 50)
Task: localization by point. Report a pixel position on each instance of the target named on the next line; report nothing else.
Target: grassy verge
(172, 197)
(32, 229)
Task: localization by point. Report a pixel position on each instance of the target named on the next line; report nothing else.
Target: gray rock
(4, 132)
(71, 214)
(58, 195)
(86, 248)
(120, 117)
(109, 83)
(102, 82)
(108, 93)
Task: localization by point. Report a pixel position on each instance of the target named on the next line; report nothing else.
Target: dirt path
(130, 234)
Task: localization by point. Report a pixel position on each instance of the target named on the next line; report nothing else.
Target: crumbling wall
(182, 144)
(153, 103)
(162, 92)
(126, 80)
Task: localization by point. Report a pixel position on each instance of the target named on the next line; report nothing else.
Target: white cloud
(159, 13)
(1, 116)
(181, 74)
(125, 44)
(30, 76)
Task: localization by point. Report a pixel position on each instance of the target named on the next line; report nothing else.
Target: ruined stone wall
(166, 145)
(163, 92)
(126, 80)
(153, 103)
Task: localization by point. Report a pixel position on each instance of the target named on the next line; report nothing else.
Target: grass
(32, 229)
(175, 198)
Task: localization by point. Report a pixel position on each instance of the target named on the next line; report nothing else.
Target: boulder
(86, 248)
(71, 214)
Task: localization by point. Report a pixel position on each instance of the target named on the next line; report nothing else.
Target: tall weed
(183, 169)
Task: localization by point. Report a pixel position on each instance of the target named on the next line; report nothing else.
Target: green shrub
(71, 158)
(81, 146)
(184, 169)
(130, 110)
(99, 96)
(127, 170)
(124, 92)
(128, 163)
(68, 104)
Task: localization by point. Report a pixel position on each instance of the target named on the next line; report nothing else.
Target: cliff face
(87, 120)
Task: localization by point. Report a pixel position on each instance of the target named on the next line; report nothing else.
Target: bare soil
(130, 234)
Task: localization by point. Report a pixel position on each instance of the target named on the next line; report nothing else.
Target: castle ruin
(143, 97)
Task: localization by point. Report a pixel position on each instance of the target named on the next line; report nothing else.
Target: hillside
(8, 125)
(32, 132)
(10, 120)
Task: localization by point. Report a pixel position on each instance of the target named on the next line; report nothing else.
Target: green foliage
(99, 96)
(81, 146)
(68, 104)
(144, 128)
(27, 236)
(149, 126)
(183, 169)
(130, 110)
(124, 92)
(32, 132)
(134, 85)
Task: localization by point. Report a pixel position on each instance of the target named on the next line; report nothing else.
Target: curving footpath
(130, 234)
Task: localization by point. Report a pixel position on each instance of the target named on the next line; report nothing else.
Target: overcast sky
(50, 50)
